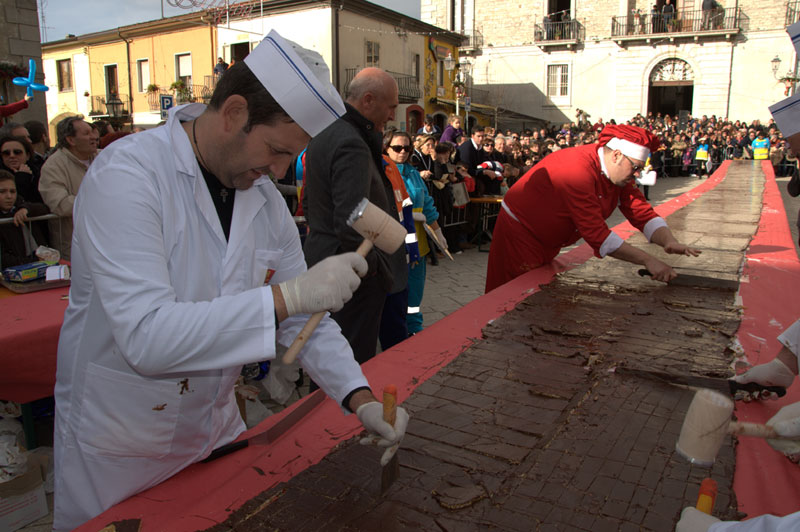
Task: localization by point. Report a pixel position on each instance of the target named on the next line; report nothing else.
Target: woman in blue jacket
(398, 146)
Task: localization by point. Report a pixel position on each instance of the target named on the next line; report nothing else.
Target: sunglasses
(399, 148)
(9, 152)
(634, 167)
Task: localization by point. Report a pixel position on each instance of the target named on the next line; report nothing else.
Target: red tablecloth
(29, 327)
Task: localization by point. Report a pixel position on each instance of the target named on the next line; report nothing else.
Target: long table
(29, 328)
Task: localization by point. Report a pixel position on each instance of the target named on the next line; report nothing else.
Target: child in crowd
(17, 243)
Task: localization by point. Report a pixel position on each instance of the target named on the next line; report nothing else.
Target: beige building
(617, 58)
(120, 74)
(107, 74)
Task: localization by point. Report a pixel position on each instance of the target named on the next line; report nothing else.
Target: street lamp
(466, 67)
(776, 64)
(114, 106)
(455, 77)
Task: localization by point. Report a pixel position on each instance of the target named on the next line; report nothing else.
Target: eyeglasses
(6, 153)
(634, 167)
(399, 148)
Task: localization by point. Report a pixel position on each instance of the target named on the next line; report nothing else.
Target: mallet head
(705, 427)
(377, 226)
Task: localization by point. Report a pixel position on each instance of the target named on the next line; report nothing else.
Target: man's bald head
(373, 93)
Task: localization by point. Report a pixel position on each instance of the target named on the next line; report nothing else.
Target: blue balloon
(29, 82)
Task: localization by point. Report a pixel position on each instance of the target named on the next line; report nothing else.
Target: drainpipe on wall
(730, 66)
(335, 34)
(130, 78)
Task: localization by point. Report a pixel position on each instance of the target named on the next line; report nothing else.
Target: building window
(415, 67)
(183, 68)
(64, 68)
(373, 50)
(557, 81)
(143, 74)
(440, 73)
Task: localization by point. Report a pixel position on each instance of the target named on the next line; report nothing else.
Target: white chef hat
(299, 80)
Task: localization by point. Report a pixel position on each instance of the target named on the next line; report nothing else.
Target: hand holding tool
(379, 229)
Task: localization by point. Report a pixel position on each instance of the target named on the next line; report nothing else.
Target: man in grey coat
(344, 163)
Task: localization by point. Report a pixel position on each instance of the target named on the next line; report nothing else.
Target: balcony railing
(407, 85)
(191, 93)
(792, 12)
(554, 32)
(473, 40)
(113, 106)
(682, 21)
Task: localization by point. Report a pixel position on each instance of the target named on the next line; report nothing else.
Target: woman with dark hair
(17, 155)
(397, 146)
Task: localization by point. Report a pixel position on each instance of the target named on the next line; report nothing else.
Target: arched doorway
(414, 118)
(671, 87)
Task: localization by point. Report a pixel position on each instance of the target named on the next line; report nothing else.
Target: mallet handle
(308, 329)
(756, 430)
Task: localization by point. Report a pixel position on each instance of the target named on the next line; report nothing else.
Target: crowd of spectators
(492, 160)
(46, 181)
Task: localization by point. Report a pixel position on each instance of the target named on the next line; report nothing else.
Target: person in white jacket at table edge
(186, 265)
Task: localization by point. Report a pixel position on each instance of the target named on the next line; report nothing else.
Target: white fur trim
(610, 244)
(651, 227)
(631, 149)
(299, 80)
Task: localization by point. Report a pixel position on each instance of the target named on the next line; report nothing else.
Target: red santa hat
(632, 141)
(494, 166)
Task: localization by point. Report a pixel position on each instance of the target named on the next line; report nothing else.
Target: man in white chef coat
(186, 265)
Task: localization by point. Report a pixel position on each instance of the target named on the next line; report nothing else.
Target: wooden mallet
(379, 229)
(707, 422)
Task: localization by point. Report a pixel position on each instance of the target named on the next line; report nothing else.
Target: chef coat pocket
(265, 264)
(128, 415)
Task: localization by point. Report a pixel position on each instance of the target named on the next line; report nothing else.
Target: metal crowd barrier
(30, 220)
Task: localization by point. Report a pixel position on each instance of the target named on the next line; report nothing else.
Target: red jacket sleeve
(636, 209)
(13, 108)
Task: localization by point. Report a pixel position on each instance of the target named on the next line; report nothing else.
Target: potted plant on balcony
(152, 88)
(182, 92)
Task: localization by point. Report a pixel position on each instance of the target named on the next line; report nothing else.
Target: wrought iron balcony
(681, 23)
(407, 85)
(473, 41)
(792, 12)
(564, 33)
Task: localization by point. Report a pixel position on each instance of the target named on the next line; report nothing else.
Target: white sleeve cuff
(610, 244)
(653, 225)
(791, 339)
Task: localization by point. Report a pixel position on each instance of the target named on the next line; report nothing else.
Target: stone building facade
(617, 58)
(19, 42)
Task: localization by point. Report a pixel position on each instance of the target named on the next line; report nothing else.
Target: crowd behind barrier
(692, 146)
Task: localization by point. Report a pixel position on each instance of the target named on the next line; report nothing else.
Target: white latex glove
(440, 236)
(327, 285)
(693, 520)
(773, 373)
(380, 432)
(419, 217)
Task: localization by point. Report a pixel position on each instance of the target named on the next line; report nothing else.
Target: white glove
(380, 432)
(440, 237)
(693, 520)
(327, 285)
(773, 373)
(419, 217)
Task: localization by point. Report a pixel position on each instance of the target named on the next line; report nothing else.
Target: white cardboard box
(22, 500)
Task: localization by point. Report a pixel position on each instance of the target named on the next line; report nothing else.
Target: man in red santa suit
(568, 196)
